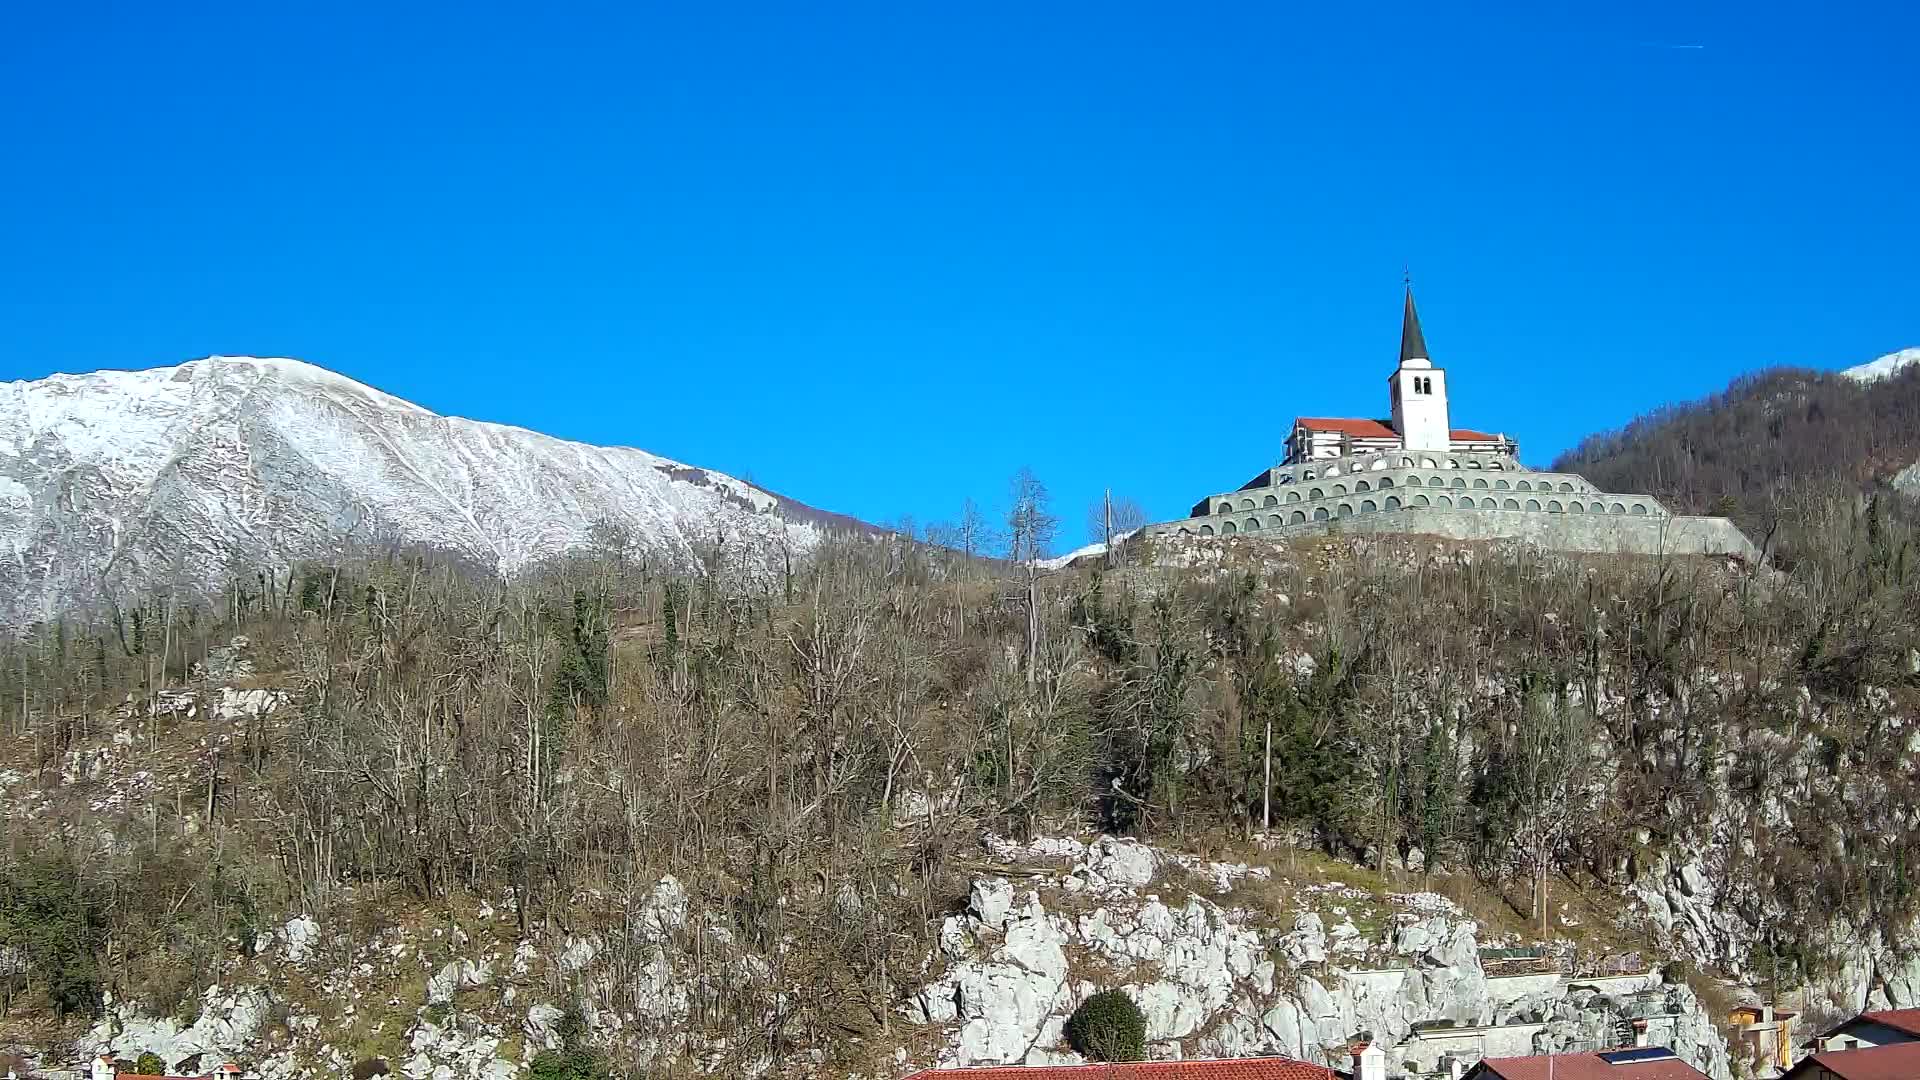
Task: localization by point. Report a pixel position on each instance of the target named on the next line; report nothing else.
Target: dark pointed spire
(1413, 344)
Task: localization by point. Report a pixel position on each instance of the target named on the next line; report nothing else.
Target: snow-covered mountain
(117, 483)
(1885, 367)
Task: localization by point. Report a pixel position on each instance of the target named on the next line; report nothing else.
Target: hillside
(1767, 441)
(416, 819)
(118, 486)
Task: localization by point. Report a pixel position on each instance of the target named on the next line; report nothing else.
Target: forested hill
(1765, 441)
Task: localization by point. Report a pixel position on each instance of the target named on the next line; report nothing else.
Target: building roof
(1265, 1068)
(1413, 344)
(1906, 1021)
(1636, 1066)
(1378, 429)
(1895, 1061)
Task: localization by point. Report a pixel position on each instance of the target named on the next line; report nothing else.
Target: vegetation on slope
(815, 756)
(1770, 446)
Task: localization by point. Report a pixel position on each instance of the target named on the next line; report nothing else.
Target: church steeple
(1413, 344)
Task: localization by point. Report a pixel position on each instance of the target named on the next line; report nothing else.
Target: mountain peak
(117, 483)
(1885, 367)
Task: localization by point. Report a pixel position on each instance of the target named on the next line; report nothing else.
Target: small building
(1638, 1063)
(1259, 1068)
(1886, 1027)
(1893, 1061)
(106, 1068)
(1765, 1035)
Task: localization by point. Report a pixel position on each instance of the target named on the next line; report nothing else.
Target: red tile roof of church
(1378, 429)
(1267, 1068)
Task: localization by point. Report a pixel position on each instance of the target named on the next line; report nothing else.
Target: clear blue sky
(880, 256)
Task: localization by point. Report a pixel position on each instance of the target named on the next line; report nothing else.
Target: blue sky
(878, 257)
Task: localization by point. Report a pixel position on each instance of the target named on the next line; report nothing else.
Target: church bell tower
(1419, 390)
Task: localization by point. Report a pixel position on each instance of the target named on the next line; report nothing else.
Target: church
(1413, 472)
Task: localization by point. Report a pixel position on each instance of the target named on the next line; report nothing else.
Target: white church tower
(1419, 391)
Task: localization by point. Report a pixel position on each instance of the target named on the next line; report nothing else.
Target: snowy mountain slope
(120, 482)
(1885, 367)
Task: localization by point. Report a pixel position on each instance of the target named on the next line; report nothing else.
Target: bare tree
(1030, 532)
(1111, 521)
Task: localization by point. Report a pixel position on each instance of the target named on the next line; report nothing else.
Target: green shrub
(1108, 1027)
(150, 1064)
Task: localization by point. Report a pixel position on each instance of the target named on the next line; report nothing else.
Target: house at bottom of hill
(106, 1068)
(1893, 1061)
(1637, 1063)
(1370, 1065)
(1886, 1027)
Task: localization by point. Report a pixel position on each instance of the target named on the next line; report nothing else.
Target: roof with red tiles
(1268, 1068)
(1896, 1061)
(1377, 429)
(1907, 1020)
(1584, 1067)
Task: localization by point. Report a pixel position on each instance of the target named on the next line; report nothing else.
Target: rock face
(116, 481)
(1212, 981)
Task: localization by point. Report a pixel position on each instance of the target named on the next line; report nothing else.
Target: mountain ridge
(115, 482)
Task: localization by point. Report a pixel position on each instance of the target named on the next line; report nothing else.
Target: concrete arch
(1298, 517)
(1533, 504)
(1386, 482)
(1480, 482)
(1206, 530)
(1362, 486)
(1378, 464)
(1512, 504)
(1565, 486)
(1598, 508)
(1246, 504)
(1392, 503)
(1554, 507)
(1253, 524)
(1459, 481)
(1638, 508)
(1227, 528)
(1293, 496)
(1413, 481)
(1429, 463)
(1225, 508)
(1316, 493)
(1472, 464)
(1184, 531)
(1320, 513)
(1501, 484)
(1406, 463)
(1330, 471)
(1576, 507)
(1446, 501)
(1346, 509)
(1273, 521)
(1489, 504)
(1308, 475)
(1523, 485)
(1453, 463)
(1367, 506)
(1339, 489)
(1271, 500)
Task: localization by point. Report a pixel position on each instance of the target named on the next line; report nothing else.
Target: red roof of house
(1377, 429)
(1587, 1067)
(1907, 1020)
(1896, 1061)
(1267, 1068)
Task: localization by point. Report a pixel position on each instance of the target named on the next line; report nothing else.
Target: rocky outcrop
(1221, 981)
